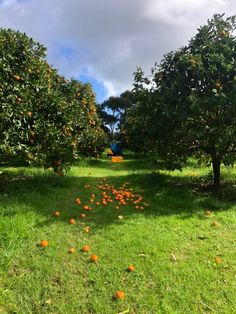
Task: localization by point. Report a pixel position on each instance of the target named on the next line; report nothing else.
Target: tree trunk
(216, 161)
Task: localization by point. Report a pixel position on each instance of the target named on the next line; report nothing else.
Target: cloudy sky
(102, 41)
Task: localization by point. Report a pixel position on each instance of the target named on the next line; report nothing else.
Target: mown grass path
(180, 239)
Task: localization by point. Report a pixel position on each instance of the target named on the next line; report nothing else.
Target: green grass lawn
(171, 242)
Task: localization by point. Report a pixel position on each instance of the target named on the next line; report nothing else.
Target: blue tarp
(116, 149)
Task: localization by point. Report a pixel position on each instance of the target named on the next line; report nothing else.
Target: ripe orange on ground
(56, 214)
(72, 221)
(94, 258)
(218, 260)
(85, 248)
(131, 268)
(120, 295)
(17, 77)
(78, 201)
(97, 203)
(85, 207)
(82, 215)
(44, 243)
(71, 250)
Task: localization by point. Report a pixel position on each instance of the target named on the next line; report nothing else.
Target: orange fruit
(218, 260)
(97, 203)
(17, 77)
(85, 207)
(119, 295)
(94, 258)
(71, 250)
(78, 201)
(82, 215)
(72, 221)
(131, 268)
(85, 248)
(56, 214)
(44, 243)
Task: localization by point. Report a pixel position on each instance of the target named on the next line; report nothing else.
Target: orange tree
(187, 107)
(44, 119)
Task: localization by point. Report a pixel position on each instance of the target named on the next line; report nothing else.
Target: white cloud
(109, 38)
(182, 11)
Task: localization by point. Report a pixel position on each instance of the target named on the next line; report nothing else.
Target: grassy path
(183, 263)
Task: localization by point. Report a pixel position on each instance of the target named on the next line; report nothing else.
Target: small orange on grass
(78, 201)
(119, 295)
(44, 243)
(85, 248)
(71, 250)
(56, 213)
(82, 215)
(94, 258)
(72, 221)
(218, 260)
(86, 207)
(131, 268)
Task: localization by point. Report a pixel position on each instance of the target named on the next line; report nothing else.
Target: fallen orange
(44, 243)
(86, 207)
(131, 268)
(78, 201)
(85, 248)
(94, 258)
(218, 260)
(72, 221)
(120, 295)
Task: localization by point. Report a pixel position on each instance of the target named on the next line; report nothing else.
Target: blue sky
(103, 41)
(68, 52)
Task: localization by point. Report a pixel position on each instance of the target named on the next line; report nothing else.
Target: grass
(171, 243)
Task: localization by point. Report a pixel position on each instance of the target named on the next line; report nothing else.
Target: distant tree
(113, 111)
(187, 107)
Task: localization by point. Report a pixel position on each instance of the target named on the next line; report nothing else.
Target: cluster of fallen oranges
(121, 196)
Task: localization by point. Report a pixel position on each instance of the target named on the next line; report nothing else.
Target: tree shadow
(166, 194)
(130, 165)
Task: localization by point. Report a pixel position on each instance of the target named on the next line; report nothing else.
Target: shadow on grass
(130, 165)
(166, 194)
